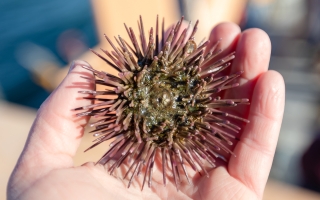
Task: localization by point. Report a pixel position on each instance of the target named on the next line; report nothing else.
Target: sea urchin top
(163, 103)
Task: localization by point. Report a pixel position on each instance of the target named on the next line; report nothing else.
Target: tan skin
(45, 169)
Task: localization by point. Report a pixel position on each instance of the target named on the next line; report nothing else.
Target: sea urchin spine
(163, 103)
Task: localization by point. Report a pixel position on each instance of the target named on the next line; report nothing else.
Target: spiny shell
(163, 100)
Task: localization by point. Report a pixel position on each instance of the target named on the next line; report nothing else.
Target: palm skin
(45, 169)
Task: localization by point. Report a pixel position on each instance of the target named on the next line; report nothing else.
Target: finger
(256, 147)
(223, 40)
(56, 132)
(252, 57)
(227, 33)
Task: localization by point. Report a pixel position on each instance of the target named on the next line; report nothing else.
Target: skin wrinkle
(212, 173)
(227, 179)
(235, 193)
(30, 185)
(16, 190)
(200, 194)
(265, 115)
(37, 163)
(256, 39)
(58, 143)
(39, 180)
(64, 119)
(91, 167)
(251, 144)
(25, 175)
(267, 140)
(223, 190)
(244, 197)
(249, 181)
(242, 189)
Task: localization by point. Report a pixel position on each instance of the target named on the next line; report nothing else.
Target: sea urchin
(163, 103)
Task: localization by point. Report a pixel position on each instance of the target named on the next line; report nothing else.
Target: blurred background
(40, 38)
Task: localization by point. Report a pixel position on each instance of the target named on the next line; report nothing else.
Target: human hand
(45, 169)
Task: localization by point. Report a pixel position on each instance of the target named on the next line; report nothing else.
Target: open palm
(45, 168)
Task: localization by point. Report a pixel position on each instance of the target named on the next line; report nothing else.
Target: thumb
(56, 132)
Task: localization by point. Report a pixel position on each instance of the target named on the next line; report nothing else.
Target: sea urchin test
(164, 103)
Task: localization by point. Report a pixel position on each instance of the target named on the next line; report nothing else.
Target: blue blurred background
(39, 26)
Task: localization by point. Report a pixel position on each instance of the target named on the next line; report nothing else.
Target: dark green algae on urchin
(164, 102)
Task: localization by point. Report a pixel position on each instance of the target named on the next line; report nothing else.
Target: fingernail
(78, 63)
(72, 65)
